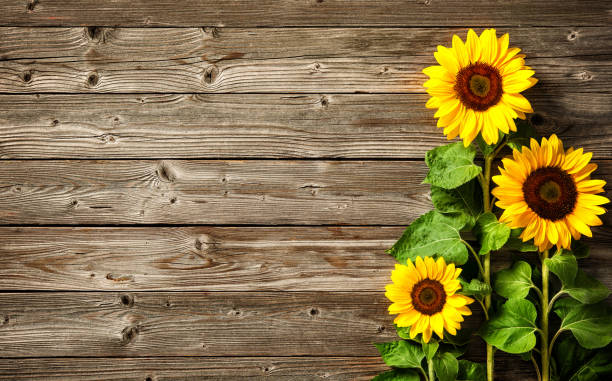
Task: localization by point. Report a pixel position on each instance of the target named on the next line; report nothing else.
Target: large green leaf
(432, 233)
(451, 165)
(430, 348)
(401, 354)
(564, 266)
(398, 375)
(513, 329)
(569, 356)
(523, 134)
(516, 243)
(471, 371)
(491, 233)
(446, 366)
(586, 289)
(590, 323)
(514, 282)
(475, 288)
(465, 200)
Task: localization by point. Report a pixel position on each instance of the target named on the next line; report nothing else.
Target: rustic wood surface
(202, 190)
(392, 126)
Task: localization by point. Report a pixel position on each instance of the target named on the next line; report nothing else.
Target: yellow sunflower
(476, 87)
(549, 192)
(424, 296)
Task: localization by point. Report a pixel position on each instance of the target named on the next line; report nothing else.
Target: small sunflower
(549, 192)
(476, 88)
(423, 294)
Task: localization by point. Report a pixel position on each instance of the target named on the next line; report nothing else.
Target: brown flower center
(479, 86)
(550, 192)
(428, 296)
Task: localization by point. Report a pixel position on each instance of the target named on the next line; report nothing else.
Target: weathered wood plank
(310, 60)
(262, 192)
(258, 126)
(217, 259)
(220, 368)
(193, 324)
(304, 13)
(196, 258)
(212, 192)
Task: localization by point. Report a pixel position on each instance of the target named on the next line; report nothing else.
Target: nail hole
(173, 200)
(127, 300)
(314, 312)
(380, 329)
(55, 122)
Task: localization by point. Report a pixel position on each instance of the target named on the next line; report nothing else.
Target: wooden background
(205, 189)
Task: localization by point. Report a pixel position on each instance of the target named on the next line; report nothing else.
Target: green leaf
(579, 249)
(564, 266)
(597, 368)
(513, 329)
(569, 356)
(465, 200)
(446, 366)
(471, 371)
(474, 288)
(514, 282)
(590, 323)
(430, 348)
(523, 134)
(432, 233)
(516, 243)
(403, 332)
(451, 165)
(488, 149)
(401, 354)
(491, 233)
(398, 375)
(586, 289)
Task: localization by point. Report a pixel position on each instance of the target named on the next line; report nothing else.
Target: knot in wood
(95, 33)
(92, 79)
(31, 5)
(27, 76)
(572, 36)
(165, 173)
(129, 334)
(210, 74)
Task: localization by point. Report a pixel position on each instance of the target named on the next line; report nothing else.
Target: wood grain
(102, 126)
(261, 192)
(304, 13)
(311, 60)
(212, 192)
(218, 259)
(193, 324)
(218, 368)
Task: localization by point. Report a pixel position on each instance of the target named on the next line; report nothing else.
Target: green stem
(537, 369)
(552, 342)
(554, 299)
(544, 350)
(430, 370)
(487, 258)
(424, 374)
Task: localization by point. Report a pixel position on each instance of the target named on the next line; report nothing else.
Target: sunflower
(549, 192)
(476, 88)
(424, 296)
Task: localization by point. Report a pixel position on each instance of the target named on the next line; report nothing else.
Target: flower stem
(430, 370)
(486, 195)
(544, 349)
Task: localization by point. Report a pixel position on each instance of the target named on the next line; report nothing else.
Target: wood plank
(304, 13)
(220, 368)
(260, 192)
(313, 60)
(193, 324)
(218, 258)
(212, 192)
(262, 126)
